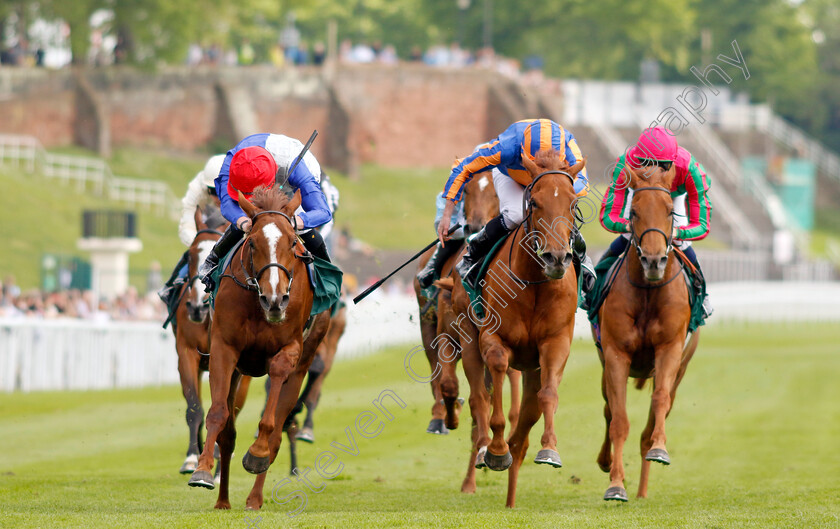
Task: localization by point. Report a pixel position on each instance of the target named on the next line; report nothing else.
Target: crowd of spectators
(78, 304)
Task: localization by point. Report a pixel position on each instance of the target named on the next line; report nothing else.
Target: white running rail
(26, 152)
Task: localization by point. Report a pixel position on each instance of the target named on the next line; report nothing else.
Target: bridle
(527, 206)
(252, 280)
(637, 242)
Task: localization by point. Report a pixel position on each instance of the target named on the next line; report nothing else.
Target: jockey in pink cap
(692, 207)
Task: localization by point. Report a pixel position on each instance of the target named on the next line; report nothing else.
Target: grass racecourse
(753, 440)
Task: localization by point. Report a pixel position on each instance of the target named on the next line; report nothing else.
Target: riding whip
(298, 159)
(378, 284)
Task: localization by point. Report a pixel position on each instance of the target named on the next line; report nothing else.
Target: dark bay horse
(644, 322)
(192, 342)
(326, 351)
(480, 205)
(530, 299)
(260, 326)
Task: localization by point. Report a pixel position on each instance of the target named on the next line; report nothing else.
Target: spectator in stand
(319, 53)
(290, 39)
(416, 54)
(389, 55)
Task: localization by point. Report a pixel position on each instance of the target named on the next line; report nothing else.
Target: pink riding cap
(654, 144)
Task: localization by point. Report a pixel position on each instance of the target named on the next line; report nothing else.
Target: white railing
(82, 355)
(78, 355)
(27, 152)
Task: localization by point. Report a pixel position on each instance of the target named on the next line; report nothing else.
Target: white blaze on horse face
(483, 183)
(556, 192)
(272, 234)
(204, 248)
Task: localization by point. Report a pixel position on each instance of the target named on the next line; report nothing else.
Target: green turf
(753, 442)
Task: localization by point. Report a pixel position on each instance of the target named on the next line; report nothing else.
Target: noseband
(637, 244)
(527, 206)
(637, 241)
(252, 281)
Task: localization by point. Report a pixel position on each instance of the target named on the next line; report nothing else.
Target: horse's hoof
(616, 494)
(479, 458)
(190, 463)
(498, 463)
(253, 464)
(548, 456)
(306, 435)
(660, 455)
(437, 427)
(202, 478)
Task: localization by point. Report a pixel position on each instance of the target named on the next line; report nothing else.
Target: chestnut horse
(480, 205)
(644, 322)
(260, 325)
(191, 329)
(530, 298)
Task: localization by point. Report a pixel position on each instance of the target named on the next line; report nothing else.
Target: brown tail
(447, 283)
(640, 383)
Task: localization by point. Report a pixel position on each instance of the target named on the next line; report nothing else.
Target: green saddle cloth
(324, 277)
(605, 272)
(475, 293)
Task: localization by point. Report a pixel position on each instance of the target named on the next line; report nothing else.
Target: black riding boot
(168, 290)
(433, 268)
(315, 244)
(228, 240)
(584, 267)
(479, 246)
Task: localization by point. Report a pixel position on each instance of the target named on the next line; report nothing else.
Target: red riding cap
(250, 168)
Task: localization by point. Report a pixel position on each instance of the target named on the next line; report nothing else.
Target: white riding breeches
(510, 195)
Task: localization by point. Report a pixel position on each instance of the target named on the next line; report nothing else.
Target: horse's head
(651, 215)
(480, 202)
(199, 250)
(272, 244)
(551, 199)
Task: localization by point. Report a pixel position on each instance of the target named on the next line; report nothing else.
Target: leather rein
(527, 206)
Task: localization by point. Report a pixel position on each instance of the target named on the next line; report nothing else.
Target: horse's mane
(269, 198)
(550, 159)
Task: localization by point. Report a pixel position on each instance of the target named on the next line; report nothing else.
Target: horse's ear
(199, 221)
(529, 164)
(246, 205)
(578, 167)
(293, 204)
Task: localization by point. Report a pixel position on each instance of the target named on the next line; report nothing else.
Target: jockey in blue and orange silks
(504, 156)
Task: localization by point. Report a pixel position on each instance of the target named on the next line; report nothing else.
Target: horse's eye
(632, 213)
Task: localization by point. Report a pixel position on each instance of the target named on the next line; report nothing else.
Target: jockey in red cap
(257, 161)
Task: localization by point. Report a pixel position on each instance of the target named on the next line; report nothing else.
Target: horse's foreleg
(222, 368)
(515, 378)
(226, 442)
(528, 416)
(190, 387)
(256, 460)
(605, 455)
(428, 331)
(553, 356)
(474, 370)
(496, 356)
(616, 372)
(241, 395)
(287, 400)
